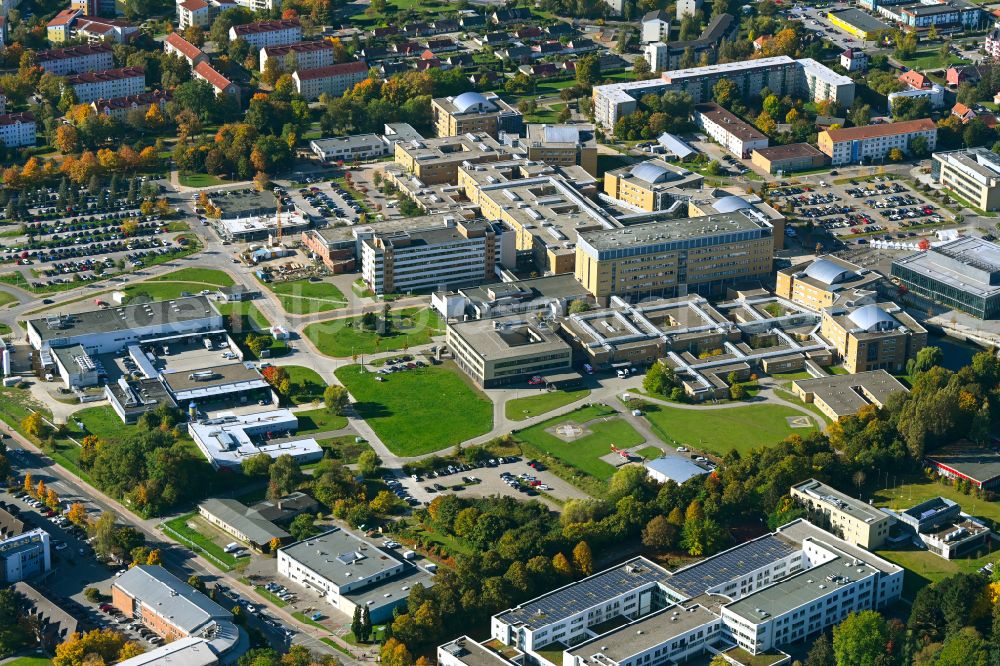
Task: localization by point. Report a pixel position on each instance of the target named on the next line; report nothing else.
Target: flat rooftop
(698, 578)
(800, 589)
(563, 285)
(254, 224)
(591, 591)
(789, 151)
(509, 337)
(821, 492)
(859, 19)
(846, 394)
(243, 203)
(667, 232)
(979, 464)
(969, 264)
(92, 322)
(981, 164)
(231, 438)
(187, 608)
(339, 553)
(212, 377)
(644, 634)
(471, 653)
(800, 531)
(561, 136)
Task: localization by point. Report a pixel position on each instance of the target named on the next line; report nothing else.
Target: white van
(231, 547)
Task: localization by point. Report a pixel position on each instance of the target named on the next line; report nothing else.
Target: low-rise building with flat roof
(436, 161)
(973, 173)
(788, 158)
(826, 281)
(131, 398)
(651, 185)
(474, 112)
(963, 274)
(855, 22)
(262, 227)
(851, 519)
(671, 467)
(227, 441)
(243, 522)
(76, 367)
(551, 293)
(730, 131)
(561, 145)
(965, 461)
(943, 528)
(670, 257)
(348, 572)
(350, 148)
(845, 395)
(494, 352)
(191, 651)
(875, 336)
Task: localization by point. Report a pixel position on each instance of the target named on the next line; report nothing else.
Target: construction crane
(277, 201)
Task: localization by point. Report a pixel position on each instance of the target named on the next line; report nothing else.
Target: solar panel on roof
(729, 565)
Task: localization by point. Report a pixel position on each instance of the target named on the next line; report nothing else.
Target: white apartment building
(17, 130)
(856, 145)
(974, 173)
(76, 59)
(656, 27)
(687, 8)
(301, 55)
(257, 5)
(657, 54)
(856, 521)
(107, 84)
(177, 45)
(193, 12)
(736, 136)
(822, 83)
(459, 253)
(334, 80)
(935, 94)
(267, 33)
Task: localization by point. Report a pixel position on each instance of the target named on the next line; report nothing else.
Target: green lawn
(585, 452)
(319, 420)
(305, 297)
(29, 661)
(650, 452)
(307, 385)
(164, 291)
(932, 59)
(419, 411)
(6, 298)
(104, 422)
(202, 275)
(520, 409)
(721, 430)
(345, 448)
(343, 337)
(247, 311)
(200, 180)
(179, 526)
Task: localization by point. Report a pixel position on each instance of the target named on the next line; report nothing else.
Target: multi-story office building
(663, 54)
(108, 83)
(350, 148)
(561, 145)
(174, 610)
(76, 59)
(736, 136)
(782, 75)
(436, 161)
(856, 145)
(873, 337)
(974, 174)
(673, 257)
(25, 555)
(301, 55)
(945, 15)
(651, 185)
(17, 129)
(334, 80)
(851, 519)
(758, 596)
(463, 252)
(503, 350)
(349, 572)
(474, 112)
(963, 274)
(220, 84)
(825, 282)
(177, 45)
(267, 33)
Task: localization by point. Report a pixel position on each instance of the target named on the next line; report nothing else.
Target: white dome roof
(872, 318)
(828, 272)
(472, 101)
(730, 204)
(651, 173)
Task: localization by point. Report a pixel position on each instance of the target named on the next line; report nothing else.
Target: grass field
(319, 420)
(164, 291)
(345, 448)
(721, 430)
(421, 410)
(544, 401)
(201, 542)
(585, 452)
(343, 337)
(307, 385)
(248, 312)
(202, 275)
(200, 180)
(932, 59)
(7, 298)
(305, 297)
(29, 661)
(650, 452)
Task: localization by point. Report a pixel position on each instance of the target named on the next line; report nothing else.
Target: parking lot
(327, 201)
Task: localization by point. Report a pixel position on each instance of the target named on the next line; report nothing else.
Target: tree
(385, 503)
(583, 559)
(257, 465)
(919, 147)
(285, 476)
(738, 392)
(368, 462)
(77, 514)
(659, 533)
(67, 139)
(34, 425)
(821, 653)
(103, 645)
(659, 379)
(702, 537)
(964, 648)
(896, 155)
(724, 92)
(860, 640)
(588, 70)
(356, 625)
(303, 526)
(195, 581)
(154, 558)
(336, 398)
(927, 358)
(765, 123)
(562, 566)
(366, 625)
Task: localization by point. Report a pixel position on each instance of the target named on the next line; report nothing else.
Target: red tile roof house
(962, 112)
(915, 80)
(220, 83)
(956, 76)
(174, 43)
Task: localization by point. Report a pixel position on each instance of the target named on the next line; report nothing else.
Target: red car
(536, 380)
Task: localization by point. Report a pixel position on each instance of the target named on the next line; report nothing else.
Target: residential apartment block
(663, 54)
(100, 30)
(775, 590)
(267, 33)
(857, 145)
(784, 76)
(851, 519)
(107, 84)
(301, 55)
(60, 28)
(17, 129)
(974, 174)
(656, 26)
(503, 350)
(193, 13)
(462, 252)
(76, 59)
(24, 556)
(220, 84)
(962, 274)
(876, 336)
(474, 112)
(177, 45)
(671, 257)
(651, 185)
(736, 136)
(334, 80)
